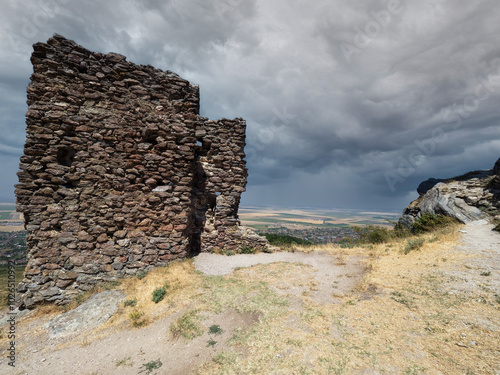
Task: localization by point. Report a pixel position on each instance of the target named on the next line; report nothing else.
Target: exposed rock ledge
(473, 196)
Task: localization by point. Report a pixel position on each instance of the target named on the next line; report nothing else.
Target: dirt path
(480, 271)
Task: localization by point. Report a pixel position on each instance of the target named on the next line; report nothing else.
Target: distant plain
(261, 218)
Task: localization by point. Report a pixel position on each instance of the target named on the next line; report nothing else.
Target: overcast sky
(348, 104)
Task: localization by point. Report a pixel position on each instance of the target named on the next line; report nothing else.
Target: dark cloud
(337, 96)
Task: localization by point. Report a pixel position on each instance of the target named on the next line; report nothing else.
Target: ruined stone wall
(120, 173)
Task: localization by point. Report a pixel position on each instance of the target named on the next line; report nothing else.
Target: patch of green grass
(124, 362)
(159, 294)
(130, 302)
(187, 325)
(414, 370)
(311, 313)
(281, 240)
(137, 318)
(337, 367)
(413, 244)
(488, 273)
(402, 299)
(248, 250)
(142, 274)
(150, 366)
(226, 358)
(347, 246)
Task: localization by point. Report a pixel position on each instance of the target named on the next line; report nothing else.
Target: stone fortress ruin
(120, 172)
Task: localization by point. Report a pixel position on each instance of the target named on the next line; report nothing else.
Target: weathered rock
(89, 315)
(426, 185)
(117, 155)
(474, 196)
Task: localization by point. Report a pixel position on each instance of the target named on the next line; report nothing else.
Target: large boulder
(473, 196)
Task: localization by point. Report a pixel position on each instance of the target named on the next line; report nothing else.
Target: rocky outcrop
(120, 172)
(427, 185)
(89, 315)
(473, 196)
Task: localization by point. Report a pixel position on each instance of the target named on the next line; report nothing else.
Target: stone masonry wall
(120, 173)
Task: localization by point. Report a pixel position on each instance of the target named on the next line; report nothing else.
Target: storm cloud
(348, 105)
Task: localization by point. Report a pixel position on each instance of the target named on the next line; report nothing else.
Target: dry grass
(405, 325)
(182, 284)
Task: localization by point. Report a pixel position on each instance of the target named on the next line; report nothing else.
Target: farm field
(10, 220)
(261, 218)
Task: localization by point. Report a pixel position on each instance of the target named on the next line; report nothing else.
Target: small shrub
(136, 316)
(150, 366)
(142, 274)
(401, 231)
(130, 302)
(347, 245)
(429, 222)
(486, 273)
(215, 330)
(281, 240)
(248, 250)
(413, 244)
(159, 294)
(373, 234)
(229, 253)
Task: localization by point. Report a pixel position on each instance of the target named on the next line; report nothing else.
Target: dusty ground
(332, 276)
(370, 310)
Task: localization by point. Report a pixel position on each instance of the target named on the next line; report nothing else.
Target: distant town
(13, 248)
